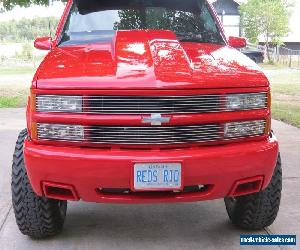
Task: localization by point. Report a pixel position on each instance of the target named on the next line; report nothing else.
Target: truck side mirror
(43, 43)
(237, 42)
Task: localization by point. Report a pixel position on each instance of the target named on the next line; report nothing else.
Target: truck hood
(147, 59)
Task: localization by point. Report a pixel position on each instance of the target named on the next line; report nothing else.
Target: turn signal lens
(243, 129)
(60, 132)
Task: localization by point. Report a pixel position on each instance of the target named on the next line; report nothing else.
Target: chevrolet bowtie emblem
(156, 120)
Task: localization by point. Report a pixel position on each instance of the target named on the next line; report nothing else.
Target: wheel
(37, 217)
(259, 210)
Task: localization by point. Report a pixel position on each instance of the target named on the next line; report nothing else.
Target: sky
(35, 11)
(294, 24)
(57, 8)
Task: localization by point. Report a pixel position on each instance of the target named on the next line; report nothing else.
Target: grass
(291, 89)
(271, 66)
(11, 102)
(14, 85)
(16, 71)
(285, 84)
(287, 78)
(287, 112)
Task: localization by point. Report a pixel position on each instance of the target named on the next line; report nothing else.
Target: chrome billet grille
(130, 135)
(154, 135)
(148, 105)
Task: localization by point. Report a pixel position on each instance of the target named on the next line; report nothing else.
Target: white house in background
(1, 8)
(292, 41)
(229, 15)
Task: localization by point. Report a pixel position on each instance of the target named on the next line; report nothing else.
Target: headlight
(243, 129)
(59, 103)
(246, 101)
(60, 132)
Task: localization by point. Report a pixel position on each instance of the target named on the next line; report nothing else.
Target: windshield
(95, 21)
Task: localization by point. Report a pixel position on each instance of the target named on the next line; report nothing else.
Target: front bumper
(87, 169)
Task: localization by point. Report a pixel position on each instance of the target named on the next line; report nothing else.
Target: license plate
(157, 176)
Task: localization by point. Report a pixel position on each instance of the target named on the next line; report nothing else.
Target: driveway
(202, 225)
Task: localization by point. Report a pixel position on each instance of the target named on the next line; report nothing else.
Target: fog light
(60, 132)
(243, 129)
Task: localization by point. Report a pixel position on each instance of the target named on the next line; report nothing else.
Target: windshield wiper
(201, 37)
(189, 37)
(193, 40)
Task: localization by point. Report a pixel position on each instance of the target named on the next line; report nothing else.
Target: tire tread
(37, 217)
(259, 210)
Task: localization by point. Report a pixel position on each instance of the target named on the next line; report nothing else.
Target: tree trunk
(268, 53)
(268, 50)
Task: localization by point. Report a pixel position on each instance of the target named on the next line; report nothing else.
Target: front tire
(259, 210)
(37, 217)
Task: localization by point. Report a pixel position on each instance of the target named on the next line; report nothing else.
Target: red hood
(147, 59)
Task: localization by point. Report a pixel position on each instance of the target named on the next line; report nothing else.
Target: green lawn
(16, 71)
(287, 112)
(12, 101)
(271, 66)
(291, 89)
(14, 86)
(285, 86)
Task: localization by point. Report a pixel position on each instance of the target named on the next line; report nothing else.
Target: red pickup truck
(145, 101)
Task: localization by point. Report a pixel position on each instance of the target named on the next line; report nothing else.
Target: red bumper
(86, 169)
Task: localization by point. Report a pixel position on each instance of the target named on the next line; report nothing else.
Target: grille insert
(141, 135)
(148, 105)
(154, 135)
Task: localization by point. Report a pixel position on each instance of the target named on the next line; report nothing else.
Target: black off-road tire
(259, 210)
(37, 217)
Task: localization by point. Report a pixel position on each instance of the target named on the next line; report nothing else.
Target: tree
(9, 4)
(178, 21)
(26, 29)
(268, 19)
